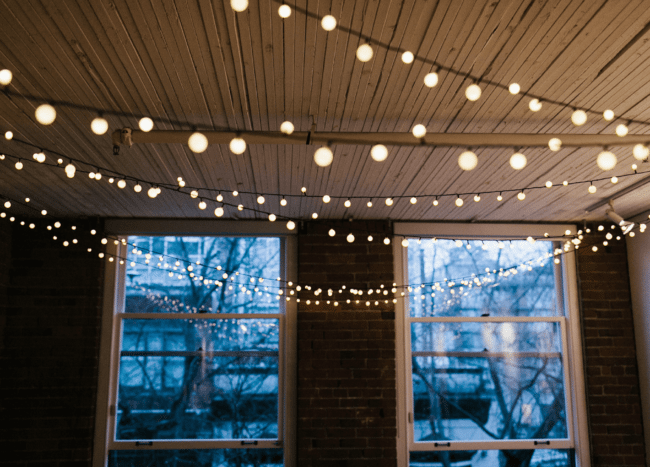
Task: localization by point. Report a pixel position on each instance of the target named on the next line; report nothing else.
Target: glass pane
(197, 458)
(198, 379)
(485, 278)
(488, 381)
(493, 458)
(234, 275)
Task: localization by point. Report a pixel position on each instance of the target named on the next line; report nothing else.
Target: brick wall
(613, 400)
(50, 350)
(346, 354)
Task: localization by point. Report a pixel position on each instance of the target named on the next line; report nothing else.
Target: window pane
(177, 284)
(197, 458)
(479, 381)
(198, 379)
(493, 458)
(527, 290)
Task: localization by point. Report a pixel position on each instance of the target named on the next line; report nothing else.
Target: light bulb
(9, 135)
(592, 189)
(283, 202)
(326, 199)
(386, 241)
(239, 5)
(405, 243)
(152, 192)
(98, 176)
(70, 170)
(364, 53)
(477, 198)
(347, 203)
(640, 152)
(606, 160)
(45, 114)
(389, 201)
(284, 11)
(137, 188)
(19, 165)
(286, 128)
(521, 196)
(414, 200)
(39, 157)
(91, 175)
(120, 183)
(549, 184)
(194, 194)
(500, 197)
(331, 232)
(240, 207)
(350, 238)
(5, 77)
(7, 204)
(621, 130)
(218, 212)
(235, 193)
(459, 201)
(608, 115)
(260, 199)
(219, 197)
(314, 215)
(435, 202)
(237, 145)
(145, 124)
(514, 88)
(554, 144)
(467, 160)
(419, 131)
(614, 180)
(565, 183)
(473, 92)
(369, 204)
(579, 117)
(303, 189)
(370, 238)
(518, 161)
(323, 156)
(535, 105)
(634, 167)
(272, 217)
(291, 225)
(181, 183)
(328, 23)
(407, 57)
(203, 205)
(431, 79)
(99, 126)
(379, 152)
(197, 142)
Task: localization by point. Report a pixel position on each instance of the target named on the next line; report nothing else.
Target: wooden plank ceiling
(198, 61)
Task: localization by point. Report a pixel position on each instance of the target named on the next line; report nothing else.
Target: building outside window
(488, 369)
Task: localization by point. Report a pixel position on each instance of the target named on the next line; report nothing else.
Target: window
(488, 374)
(199, 368)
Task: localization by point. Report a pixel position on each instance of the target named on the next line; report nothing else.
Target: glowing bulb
(370, 238)
(145, 124)
(5, 77)
(347, 203)
(591, 189)
(535, 105)
(467, 160)
(459, 201)
(640, 152)
(328, 23)
(408, 57)
(99, 126)
(203, 205)
(514, 88)
(554, 144)
(323, 156)
(235, 193)
(606, 160)
(272, 217)
(286, 128)
(389, 201)
(291, 225)
(521, 196)
(7, 204)
(260, 199)
(431, 79)
(364, 53)
(39, 157)
(218, 212)
(405, 243)
(608, 115)
(239, 5)
(120, 183)
(19, 165)
(379, 152)
(634, 167)
(350, 238)
(219, 197)
(386, 241)
(414, 200)
(70, 170)
(237, 145)
(435, 202)
(9, 135)
(152, 192)
(283, 202)
(621, 130)
(477, 198)
(473, 92)
(549, 184)
(240, 207)
(579, 117)
(98, 176)
(194, 194)
(137, 188)
(91, 175)
(284, 11)
(419, 131)
(499, 198)
(565, 183)
(518, 161)
(45, 114)
(369, 204)
(197, 142)
(331, 232)
(614, 180)
(326, 199)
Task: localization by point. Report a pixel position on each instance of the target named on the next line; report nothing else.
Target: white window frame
(576, 408)
(113, 303)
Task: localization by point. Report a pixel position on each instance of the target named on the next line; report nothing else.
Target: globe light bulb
(535, 105)
(45, 114)
(364, 53)
(5, 77)
(477, 198)
(260, 199)
(518, 161)
(347, 203)
(386, 241)
(239, 5)
(39, 157)
(137, 188)
(152, 192)
(640, 152)
(240, 207)
(608, 115)
(591, 189)
(194, 194)
(389, 201)
(405, 243)
(408, 57)
(284, 11)
(565, 183)
(414, 200)
(326, 199)
(500, 197)
(283, 202)
(369, 204)
(291, 225)
(328, 23)
(435, 202)
(614, 180)
(98, 176)
(549, 184)
(121, 183)
(237, 145)
(9, 135)
(99, 126)
(235, 193)
(70, 170)
(379, 152)
(473, 92)
(459, 201)
(272, 217)
(370, 238)
(197, 142)
(91, 175)
(286, 128)
(323, 156)
(145, 124)
(431, 79)
(606, 160)
(203, 205)
(555, 144)
(19, 165)
(218, 212)
(514, 88)
(521, 196)
(621, 130)
(419, 131)
(467, 160)
(7, 204)
(579, 117)
(350, 238)
(331, 232)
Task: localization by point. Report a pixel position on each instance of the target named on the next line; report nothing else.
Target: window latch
(442, 444)
(254, 443)
(410, 417)
(548, 443)
(144, 443)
